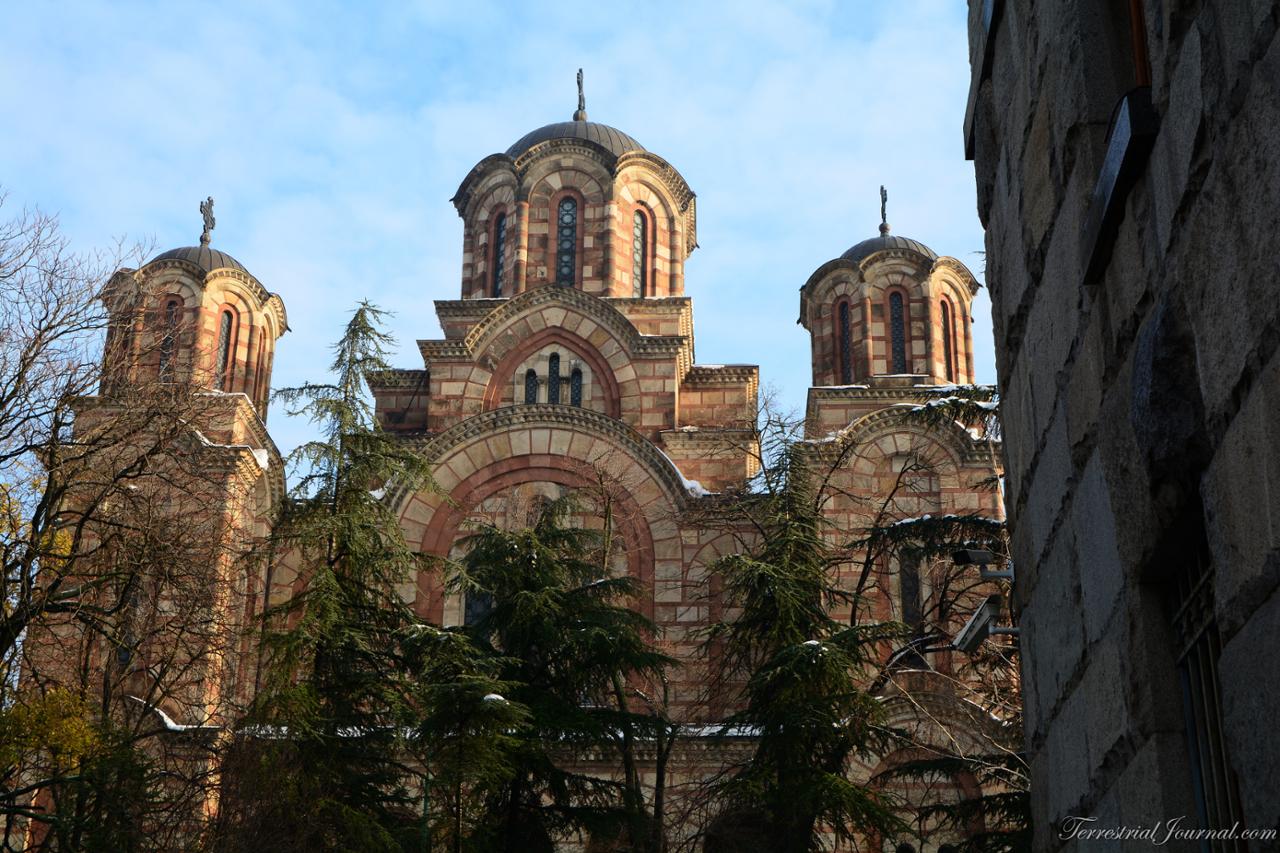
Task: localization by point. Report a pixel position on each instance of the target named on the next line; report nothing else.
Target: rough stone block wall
(1140, 402)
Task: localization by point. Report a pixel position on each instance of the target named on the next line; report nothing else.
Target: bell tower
(889, 306)
(193, 315)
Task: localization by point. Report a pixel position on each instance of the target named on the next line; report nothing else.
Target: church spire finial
(206, 210)
(581, 113)
(884, 218)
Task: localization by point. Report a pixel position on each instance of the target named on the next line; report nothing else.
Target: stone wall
(1133, 278)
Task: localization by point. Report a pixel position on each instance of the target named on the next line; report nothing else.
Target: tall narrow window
(499, 241)
(948, 342)
(221, 374)
(575, 387)
(566, 240)
(846, 346)
(897, 333)
(639, 255)
(1215, 788)
(476, 606)
(167, 342)
(530, 386)
(553, 378)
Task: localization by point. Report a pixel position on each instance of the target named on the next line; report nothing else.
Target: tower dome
(889, 306)
(578, 204)
(609, 138)
(194, 315)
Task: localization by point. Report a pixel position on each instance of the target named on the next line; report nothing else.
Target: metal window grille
(530, 386)
(897, 333)
(575, 387)
(553, 378)
(499, 240)
(566, 240)
(947, 341)
(846, 346)
(639, 253)
(224, 352)
(1199, 647)
(167, 342)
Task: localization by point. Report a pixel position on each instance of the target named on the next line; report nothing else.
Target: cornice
(395, 378)
(721, 374)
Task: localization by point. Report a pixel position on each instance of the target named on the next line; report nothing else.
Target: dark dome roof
(202, 256)
(613, 140)
(887, 241)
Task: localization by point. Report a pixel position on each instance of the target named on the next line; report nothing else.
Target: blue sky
(332, 136)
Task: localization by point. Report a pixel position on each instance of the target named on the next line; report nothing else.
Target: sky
(332, 136)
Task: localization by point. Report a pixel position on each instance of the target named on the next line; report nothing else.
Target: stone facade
(567, 364)
(1126, 164)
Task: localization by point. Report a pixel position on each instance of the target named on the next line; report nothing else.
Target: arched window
(639, 255)
(172, 312)
(226, 328)
(530, 386)
(476, 606)
(846, 345)
(575, 387)
(566, 240)
(259, 380)
(499, 243)
(948, 341)
(553, 378)
(897, 333)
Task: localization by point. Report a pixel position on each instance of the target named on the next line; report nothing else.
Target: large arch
(511, 446)
(602, 372)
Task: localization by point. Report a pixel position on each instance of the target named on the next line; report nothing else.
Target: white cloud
(333, 136)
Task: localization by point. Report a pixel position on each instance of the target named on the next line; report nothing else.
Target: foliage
(334, 693)
(566, 643)
(998, 820)
(805, 695)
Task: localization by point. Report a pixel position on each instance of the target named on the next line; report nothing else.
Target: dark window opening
(499, 241)
(530, 386)
(639, 255)
(575, 387)
(221, 377)
(846, 346)
(553, 378)
(566, 240)
(897, 333)
(1195, 625)
(171, 314)
(476, 606)
(947, 341)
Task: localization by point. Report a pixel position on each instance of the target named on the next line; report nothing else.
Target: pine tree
(800, 676)
(568, 645)
(325, 732)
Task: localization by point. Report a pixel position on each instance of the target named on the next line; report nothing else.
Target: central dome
(611, 139)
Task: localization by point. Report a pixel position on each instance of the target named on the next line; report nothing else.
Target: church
(568, 360)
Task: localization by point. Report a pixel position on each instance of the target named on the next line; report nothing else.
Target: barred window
(846, 346)
(530, 386)
(566, 240)
(639, 254)
(1214, 784)
(476, 606)
(553, 378)
(948, 341)
(499, 241)
(171, 313)
(897, 333)
(222, 376)
(575, 387)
